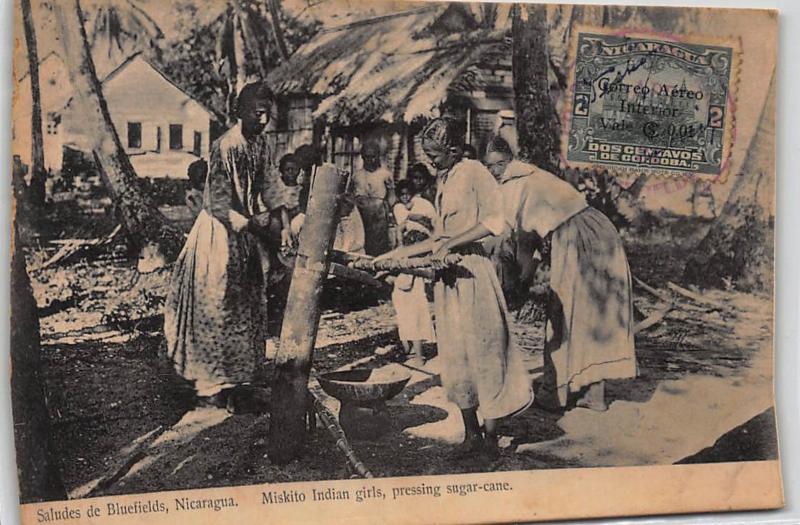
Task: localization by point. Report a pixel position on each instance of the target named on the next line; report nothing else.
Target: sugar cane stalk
(409, 265)
(332, 425)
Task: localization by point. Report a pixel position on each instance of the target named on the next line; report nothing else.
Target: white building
(161, 127)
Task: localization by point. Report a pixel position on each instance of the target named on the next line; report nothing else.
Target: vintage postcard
(412, 262)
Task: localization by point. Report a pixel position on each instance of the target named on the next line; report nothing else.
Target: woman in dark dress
(214, 316)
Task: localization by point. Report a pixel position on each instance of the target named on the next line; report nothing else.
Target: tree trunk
(739, 245)
(37, 466)
(144, 224)
(277, 30)
(237, 77)
(36, 190)
(21, 206)
(290, 399)
(537, 122)
(250, 43)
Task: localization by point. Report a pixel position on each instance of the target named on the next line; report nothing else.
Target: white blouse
(469, 195)
(537, 200)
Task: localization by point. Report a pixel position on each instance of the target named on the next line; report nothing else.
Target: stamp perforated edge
(729, 133)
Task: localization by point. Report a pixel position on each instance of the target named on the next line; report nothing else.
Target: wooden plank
(653, 319)
(654, 291)
(697, 297)
(72, 247)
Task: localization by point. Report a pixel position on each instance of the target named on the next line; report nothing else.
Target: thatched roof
(392, 68)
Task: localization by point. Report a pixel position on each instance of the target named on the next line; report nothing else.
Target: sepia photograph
(279, 242)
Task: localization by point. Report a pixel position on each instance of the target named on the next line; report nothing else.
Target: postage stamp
(643, 104)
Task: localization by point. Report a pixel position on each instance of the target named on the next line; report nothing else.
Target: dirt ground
(107, 385)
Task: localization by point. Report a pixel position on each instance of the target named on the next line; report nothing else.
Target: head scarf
(444, 133)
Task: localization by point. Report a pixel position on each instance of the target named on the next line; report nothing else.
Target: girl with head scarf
(589, 331)
(214, 316)
(481, 369)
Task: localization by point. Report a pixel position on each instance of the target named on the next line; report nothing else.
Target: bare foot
(490, 448)
(600, 406)
(218, 400)
(594, 398)
(415, 361)
(248, 400)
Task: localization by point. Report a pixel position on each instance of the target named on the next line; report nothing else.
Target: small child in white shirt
(414, 216)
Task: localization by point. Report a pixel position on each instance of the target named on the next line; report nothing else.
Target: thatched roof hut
(397, 70)
(393, 68)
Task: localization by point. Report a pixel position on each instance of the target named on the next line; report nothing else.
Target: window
(175, 136)
(158, 139)
(134, 135)
(198, 143)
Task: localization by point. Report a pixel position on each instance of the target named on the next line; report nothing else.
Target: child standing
(197, 172)
(414, 217)
(350, 229)
(373, 187)
(281, 195)
(422, 182)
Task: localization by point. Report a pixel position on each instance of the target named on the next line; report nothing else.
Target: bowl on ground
(363, 386)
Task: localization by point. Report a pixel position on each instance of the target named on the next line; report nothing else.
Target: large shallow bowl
(365, 386)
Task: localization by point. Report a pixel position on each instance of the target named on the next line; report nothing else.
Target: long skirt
(374, 214)
(413, 313)
(589, 333)
(214, 311)
(481, 367)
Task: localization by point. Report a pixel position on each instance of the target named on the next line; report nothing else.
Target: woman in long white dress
(589, 331)
(482, 371)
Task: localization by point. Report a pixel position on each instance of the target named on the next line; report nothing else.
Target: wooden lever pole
(287, 429)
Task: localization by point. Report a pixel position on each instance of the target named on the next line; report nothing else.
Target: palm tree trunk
(239, 47)
(739, 244)
(251, 43)
(537, 122)
(21, 206)
(277, 30)
(231, 47)
(144, 224)
(39, 474)
(36, 190)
